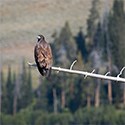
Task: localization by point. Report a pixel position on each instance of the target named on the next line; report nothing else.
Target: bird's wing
(43, 55)
(39, 55)
(48, 55)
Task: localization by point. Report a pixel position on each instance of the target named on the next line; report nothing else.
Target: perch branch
(86, 74)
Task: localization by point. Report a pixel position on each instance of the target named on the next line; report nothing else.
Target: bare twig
(121, 72)
(107, 73)
(73, 64)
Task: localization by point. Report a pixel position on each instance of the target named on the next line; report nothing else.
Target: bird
(43, 56)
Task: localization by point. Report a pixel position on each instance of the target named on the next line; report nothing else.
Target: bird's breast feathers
(43, 55)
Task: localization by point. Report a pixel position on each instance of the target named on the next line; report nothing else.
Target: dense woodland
(67, 98)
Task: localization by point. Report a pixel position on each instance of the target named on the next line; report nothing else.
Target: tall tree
(116, 33)
(106, 47)
(1, 82)
(9, 92)
(15, 95)
(92, 23)
(64, 51)
(81, 44)
(25, 96)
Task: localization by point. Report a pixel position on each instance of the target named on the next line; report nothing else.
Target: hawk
(43, 56)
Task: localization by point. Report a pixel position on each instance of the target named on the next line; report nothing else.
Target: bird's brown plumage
(43, 56)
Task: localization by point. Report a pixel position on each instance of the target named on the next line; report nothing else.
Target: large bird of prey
(43, 56)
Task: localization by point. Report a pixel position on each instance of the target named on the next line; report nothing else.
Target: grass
(21, 21)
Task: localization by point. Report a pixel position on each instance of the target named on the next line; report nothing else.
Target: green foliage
(81, 45)
(11, 120)
(7, 97)
(60, 119)
(103, 115)
(36, 106)
(26, 92)
(64, 47)
(92, 22)
(116, 32)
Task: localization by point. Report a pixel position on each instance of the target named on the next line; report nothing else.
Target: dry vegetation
(22, 20)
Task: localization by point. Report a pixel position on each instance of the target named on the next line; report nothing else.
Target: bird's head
(40, 37)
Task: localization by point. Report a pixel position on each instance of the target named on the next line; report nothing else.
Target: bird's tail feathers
(48, 73)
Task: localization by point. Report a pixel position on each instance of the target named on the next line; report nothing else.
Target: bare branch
(32, 64)
(107, 73)
(89, 74)
(86, 74)
(121, 72)
(73, 64)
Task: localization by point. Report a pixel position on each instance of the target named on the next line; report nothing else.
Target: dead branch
(86, 74)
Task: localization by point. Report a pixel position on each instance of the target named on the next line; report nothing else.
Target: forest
(69, 99)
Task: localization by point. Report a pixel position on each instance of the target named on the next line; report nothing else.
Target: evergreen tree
(25, 96)
(81, 45)
(116, 32)
(64, 51)
(117, 37)
(1, 87)
(92, 23)
(44, 96)
(29, 86)
(64, 47)
(7, 106)
(15, 95)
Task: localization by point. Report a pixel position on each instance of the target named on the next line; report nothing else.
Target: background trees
(71, 99)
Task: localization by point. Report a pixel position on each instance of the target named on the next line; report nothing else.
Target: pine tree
(116, 33)
(15, 95)
(81, 45)
(1, 86)
(107, 51)
(64, 47)
(92, 23)
(26, 87)
(29, 86)
(64, 51)
(8, 102)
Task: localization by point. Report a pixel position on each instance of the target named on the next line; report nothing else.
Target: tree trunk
(15, 99)
(109, 82)
(0, 87)
(124, 94)
(88, 101)
(97, 94)
(63, 99)
(0, 97)
(124, 90)
(15, 104)
(16, 93)
(110, 92)
(55, 103)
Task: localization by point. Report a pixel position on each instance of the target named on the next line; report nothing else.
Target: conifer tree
(117, 37)
(1, 86)
(29, 86)
(26, 87)
(15, 94)
(64, 47)
(81, 45)
(92, 23)
(116, 32)
(64, 51)
(9, 93)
